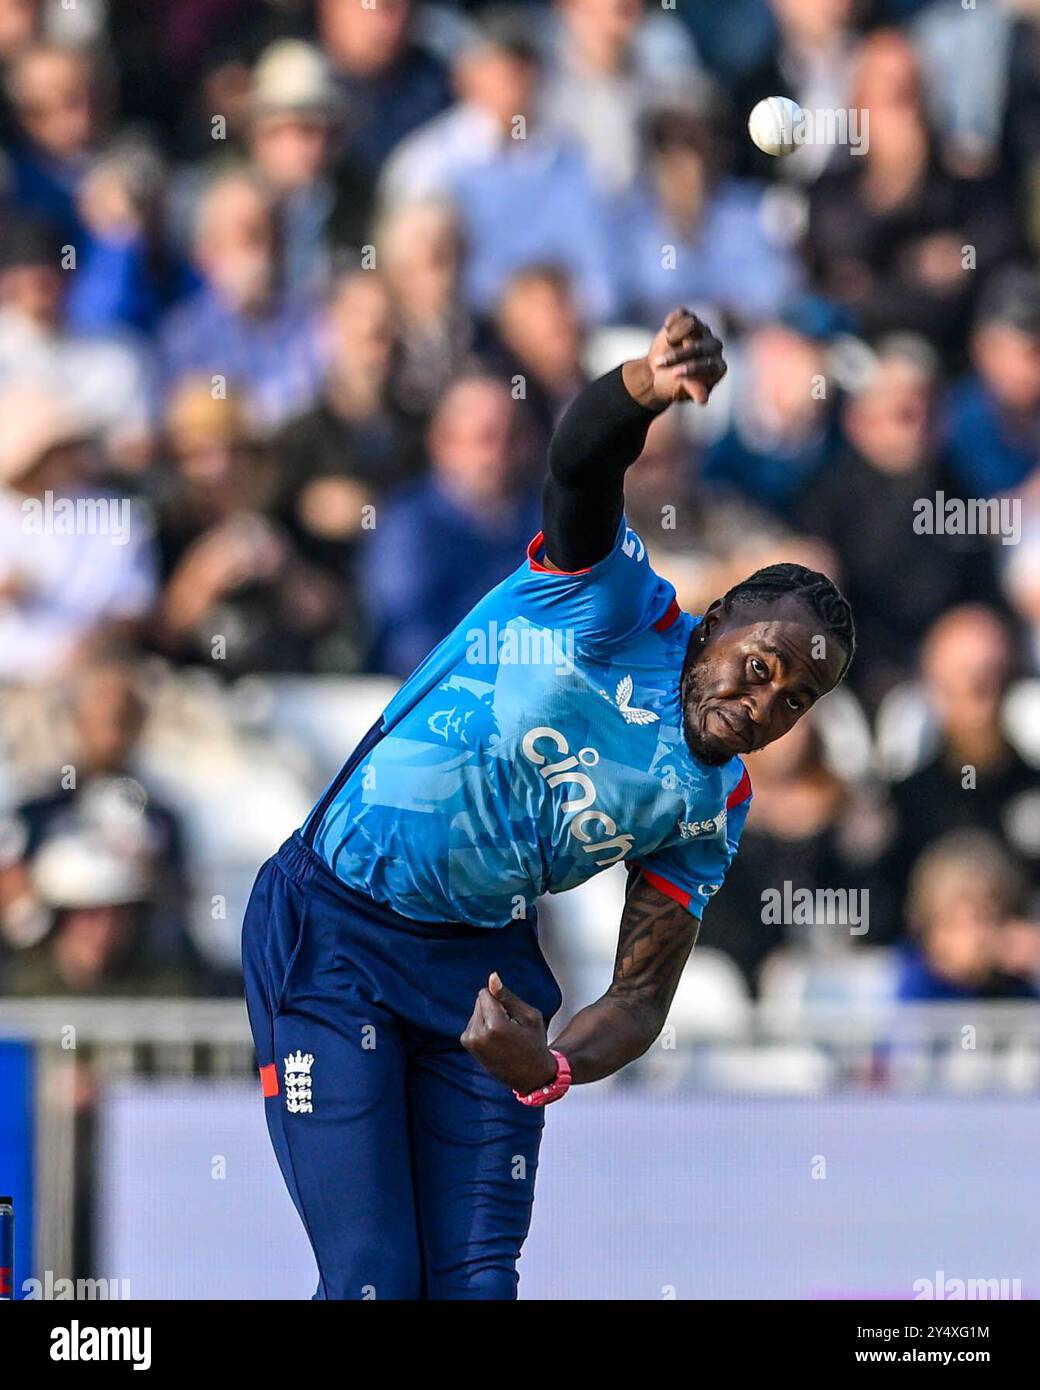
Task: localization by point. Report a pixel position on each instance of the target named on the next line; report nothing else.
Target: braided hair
(820, 595)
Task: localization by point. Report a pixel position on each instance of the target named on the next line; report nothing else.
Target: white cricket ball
(775, 125)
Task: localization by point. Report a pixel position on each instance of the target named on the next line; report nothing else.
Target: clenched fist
(507, 1037)
(684, 363)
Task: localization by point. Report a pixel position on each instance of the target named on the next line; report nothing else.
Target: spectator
(976, 778)
(127, 273)
(523, 191)
(242, 326)
(421, 254)
(206, 50)
(605, 72)
(898, 579)
(98, 943)
(19, 24)
(964, 52)
(77, 567)
(478, 502)
(187, 197)
(994, 426)
(812, 61)
(1020, 147)
(101, 793)
(237, 597)
(62, 100)
(705, 539)
(106, 383)
(324, 201)
(392, 83)
(19, 27)
(892, 235)
(541, 331)
(689, 231)
(338, 463)
(964, 896)
(781, 433)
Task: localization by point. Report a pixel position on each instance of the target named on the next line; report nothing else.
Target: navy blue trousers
(411, 1168)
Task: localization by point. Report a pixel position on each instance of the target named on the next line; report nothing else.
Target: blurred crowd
(291, 295)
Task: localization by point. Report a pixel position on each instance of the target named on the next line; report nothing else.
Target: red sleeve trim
(740, 792)
(668, 889)
(269, 1080)
(671, 613)
(537, 566)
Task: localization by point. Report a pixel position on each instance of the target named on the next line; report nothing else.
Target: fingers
(708, 370)
(680, 324)
(488, 1016)
(474, 1027)
(698, 387)
(693, 357)
(496, 1008)
(701, 347)
(491, 1012)
(518, 1009)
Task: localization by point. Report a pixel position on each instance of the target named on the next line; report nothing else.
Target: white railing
(219, 1022)
(791, 1049)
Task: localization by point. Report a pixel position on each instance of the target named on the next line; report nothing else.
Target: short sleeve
(605, 605)
(693, 872)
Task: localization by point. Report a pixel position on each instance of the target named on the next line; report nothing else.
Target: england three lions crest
(299, 1098)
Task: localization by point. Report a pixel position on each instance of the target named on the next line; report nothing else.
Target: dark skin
(751, 674)
(748, 677)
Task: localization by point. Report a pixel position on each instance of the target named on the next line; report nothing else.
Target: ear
(713, 616)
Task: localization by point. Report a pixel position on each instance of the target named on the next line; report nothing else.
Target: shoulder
(625, 564)
(740, 789)
(455, 131)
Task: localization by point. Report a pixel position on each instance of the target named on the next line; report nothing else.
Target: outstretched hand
(507, 1037)
(684, 363)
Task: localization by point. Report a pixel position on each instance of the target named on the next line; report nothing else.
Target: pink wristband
(545, 1095)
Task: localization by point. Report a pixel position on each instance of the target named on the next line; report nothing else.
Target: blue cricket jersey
(538, 744)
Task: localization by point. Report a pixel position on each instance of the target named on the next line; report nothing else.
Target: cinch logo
(581, 806)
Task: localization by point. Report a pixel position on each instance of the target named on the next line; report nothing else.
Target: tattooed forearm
(655, 940)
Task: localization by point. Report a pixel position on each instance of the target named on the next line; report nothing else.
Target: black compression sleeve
(600, 436)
